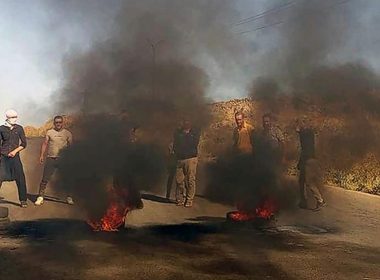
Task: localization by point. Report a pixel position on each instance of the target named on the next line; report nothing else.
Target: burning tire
(114, 216)
(239, 218)
(263, 214)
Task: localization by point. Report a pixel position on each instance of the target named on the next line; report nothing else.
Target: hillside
(343, 165)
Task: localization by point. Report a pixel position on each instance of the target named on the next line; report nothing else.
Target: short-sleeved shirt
(11, 139)
(243, 138)
(57, 140)
(185, 145)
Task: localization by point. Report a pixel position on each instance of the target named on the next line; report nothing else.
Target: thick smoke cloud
(314, 29)
(149, 74)
(317, 68)
(154, 70)
(247, 181)
(153, 63)
(102, 154)
(348, 88)
(311, 41)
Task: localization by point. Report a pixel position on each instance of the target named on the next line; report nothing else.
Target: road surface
(164, 241)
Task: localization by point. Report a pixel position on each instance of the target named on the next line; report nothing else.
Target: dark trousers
(50, 167)
(172, 168)
(301, 182)
(11, 169)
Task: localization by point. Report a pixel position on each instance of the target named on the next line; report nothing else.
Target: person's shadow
(33, 198)
(5, 201)
(156, 198)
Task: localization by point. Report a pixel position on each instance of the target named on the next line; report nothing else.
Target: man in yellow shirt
(242, 135)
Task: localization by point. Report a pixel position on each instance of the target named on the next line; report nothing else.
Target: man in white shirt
(56, 140)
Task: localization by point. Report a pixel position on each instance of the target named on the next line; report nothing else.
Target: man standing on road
(56, 140)
(310, 172)
(12, 142)
(269, 153)
(273, 138)
(185, 147)
(124, 179)
(242, 136)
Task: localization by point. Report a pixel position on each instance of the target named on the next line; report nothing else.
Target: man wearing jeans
(185, 147)
(56, 140)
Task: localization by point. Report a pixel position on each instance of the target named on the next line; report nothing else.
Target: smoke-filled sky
(39, 35)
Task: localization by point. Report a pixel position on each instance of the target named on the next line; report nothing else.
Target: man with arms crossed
(56, 139)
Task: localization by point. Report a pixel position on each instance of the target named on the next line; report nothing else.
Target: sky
(35, 38)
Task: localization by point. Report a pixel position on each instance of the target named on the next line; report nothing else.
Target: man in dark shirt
(124, 179)
(12, 141)
(273, 137)
(185, 148)
(310, 173)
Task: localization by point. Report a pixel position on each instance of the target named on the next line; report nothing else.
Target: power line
(280, 22)
(265, 13)
(261, 27)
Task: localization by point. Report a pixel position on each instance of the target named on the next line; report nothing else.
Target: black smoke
(317, 67)
(102, 152)
(248, 180)
(143, 78)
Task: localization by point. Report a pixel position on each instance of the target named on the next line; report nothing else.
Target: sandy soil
(163, 241)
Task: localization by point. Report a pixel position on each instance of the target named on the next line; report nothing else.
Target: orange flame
(115, 214)
(267, 209)
(264, 210)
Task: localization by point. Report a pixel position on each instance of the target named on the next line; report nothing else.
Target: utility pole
(153, 46)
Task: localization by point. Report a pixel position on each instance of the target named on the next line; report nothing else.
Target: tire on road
(4, 223)
(4, 212)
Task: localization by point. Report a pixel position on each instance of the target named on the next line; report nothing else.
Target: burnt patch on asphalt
(209, 249)
(184, 232)
(47, 229)
(208, 219)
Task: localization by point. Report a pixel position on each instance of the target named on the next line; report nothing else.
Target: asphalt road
(163, 241)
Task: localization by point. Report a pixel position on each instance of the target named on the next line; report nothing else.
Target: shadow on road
(4, 201)
(198, 249)
(156, 198)
(210, 249)
(33, 198)
(208, 219)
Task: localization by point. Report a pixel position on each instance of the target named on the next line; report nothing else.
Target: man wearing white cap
(12, 142)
